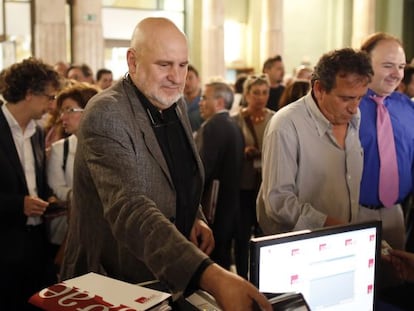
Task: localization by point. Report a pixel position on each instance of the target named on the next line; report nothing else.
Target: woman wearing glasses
(70, 102)
(252, 120)
(53, 123)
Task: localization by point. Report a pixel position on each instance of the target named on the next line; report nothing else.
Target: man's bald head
(153, 28)
(157, 60)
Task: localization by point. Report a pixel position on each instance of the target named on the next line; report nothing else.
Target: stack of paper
(93, 290)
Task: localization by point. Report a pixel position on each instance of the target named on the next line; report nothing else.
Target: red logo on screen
(294, 279)
(348, 242)
(294, 252)
(370, 262)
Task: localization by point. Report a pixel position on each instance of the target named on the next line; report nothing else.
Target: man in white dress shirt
(26, 266)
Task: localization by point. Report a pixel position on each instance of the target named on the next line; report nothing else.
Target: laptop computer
(334, 268)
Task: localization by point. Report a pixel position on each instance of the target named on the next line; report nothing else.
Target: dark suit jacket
(123, 197)
(26, 264)
(221, 144)
(13, 189)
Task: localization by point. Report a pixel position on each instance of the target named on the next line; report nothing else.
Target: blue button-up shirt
(401, 110)
(193, 110)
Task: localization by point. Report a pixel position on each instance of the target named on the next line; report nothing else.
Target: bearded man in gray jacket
(138, 180)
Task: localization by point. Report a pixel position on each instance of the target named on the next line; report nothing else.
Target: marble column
(212, 40)
(272, 29)
(363, 23)
(87, 34)
(50, 41)
(265, 31)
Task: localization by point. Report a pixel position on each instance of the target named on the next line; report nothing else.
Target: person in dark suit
(26, 263)
(220, 143)
(274, 68)
(135, 214)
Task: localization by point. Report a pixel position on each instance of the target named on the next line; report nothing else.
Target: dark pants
(398, 298)
(246, 226)
(224, 231)
(408, 208)
(29, 273)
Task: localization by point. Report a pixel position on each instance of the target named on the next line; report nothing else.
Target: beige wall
(389, 16)
(308, 29)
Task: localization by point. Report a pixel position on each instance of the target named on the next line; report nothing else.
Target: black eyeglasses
(49, 97)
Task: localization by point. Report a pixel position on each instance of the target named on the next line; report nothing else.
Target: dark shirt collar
(156, 116)
(180, 160)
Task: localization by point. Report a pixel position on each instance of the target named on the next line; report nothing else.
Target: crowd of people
(107, 177)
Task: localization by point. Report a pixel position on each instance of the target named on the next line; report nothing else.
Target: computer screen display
(334, 268)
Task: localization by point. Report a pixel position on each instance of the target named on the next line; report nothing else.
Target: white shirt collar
(14, 125)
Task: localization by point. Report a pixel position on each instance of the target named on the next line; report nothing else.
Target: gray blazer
(123, 197)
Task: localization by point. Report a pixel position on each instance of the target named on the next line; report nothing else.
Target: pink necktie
(388, 179)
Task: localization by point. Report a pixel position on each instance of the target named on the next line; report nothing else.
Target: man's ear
(29, 95)
(131, 60)
(220, 105)
(318, 90)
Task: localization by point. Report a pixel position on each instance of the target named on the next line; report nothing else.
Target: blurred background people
(238, 101)
(80, 73)
(87, 73)
(192, 95)
(252, 121)
(53, 124)
(104, 78)
(220, 144)
(406, 85)
(70, 102)
(303, 72)
(275, 70)
(61, 68)
(293, 91)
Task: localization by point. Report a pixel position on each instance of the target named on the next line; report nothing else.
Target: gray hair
(222, 90)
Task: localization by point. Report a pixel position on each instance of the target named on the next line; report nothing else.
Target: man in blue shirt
(388, 61)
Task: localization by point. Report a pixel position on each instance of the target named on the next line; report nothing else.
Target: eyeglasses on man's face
(50, 97)
(69, 111)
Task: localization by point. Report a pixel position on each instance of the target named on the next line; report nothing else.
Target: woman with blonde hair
(252, 121)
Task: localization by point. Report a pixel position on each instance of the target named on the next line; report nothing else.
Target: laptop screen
(334, 268)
